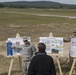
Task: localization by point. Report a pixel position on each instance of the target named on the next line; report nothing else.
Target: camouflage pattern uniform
(28, 51)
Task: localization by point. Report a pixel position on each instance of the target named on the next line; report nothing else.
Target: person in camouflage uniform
(28, 51)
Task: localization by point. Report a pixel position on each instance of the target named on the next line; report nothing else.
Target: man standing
(28, 51)
(41, 64)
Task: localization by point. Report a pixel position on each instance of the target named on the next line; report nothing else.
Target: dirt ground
(66, 49)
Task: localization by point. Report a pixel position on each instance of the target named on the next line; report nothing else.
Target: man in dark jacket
(41, 64)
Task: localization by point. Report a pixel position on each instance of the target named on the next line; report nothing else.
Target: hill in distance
(33, 2)
(37, 4)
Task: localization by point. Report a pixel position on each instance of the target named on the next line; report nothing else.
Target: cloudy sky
(61, 1)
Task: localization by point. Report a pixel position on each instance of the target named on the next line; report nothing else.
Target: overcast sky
(61, 1)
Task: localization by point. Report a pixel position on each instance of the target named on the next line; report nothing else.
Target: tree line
(37, 4)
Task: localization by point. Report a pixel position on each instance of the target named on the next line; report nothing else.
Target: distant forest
(36, 4)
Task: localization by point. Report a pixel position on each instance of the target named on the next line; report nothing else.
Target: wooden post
(17, 35)
(59, 65)
(73, 64)
(50, 35)
(20, 62)
(10, 68)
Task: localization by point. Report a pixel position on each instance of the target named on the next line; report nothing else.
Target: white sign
(53, 44)
(73, 47)
(11, 42)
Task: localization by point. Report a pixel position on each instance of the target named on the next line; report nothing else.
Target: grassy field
(68, 12)
(14, 21)
(35, 26)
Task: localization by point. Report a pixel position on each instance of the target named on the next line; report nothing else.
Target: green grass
(34, 26)
(14, 18)
(71, 12)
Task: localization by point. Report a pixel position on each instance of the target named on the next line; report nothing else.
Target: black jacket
(42, 64)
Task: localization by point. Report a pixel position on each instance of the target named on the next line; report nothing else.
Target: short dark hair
(41, 47)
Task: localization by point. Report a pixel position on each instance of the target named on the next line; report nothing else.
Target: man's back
(42, 64)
